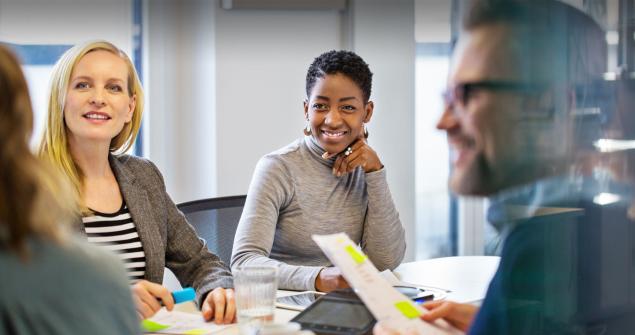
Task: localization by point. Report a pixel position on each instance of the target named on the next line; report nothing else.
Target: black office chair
(216, 220)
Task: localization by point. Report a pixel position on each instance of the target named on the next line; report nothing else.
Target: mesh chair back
(215, 221)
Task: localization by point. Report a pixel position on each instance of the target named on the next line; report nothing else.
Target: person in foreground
(94, 116)
(52, 283)
(522, 75)
(329, 181)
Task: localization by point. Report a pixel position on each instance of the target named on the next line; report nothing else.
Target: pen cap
(184, 295)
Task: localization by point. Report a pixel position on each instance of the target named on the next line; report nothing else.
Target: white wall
(181, 82)
(225, 87)
(383, 34)
(66, 21)
(262, 57)
(432, 21)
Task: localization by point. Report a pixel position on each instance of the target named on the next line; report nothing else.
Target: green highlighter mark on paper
(151, 326)
(406, 308)
(196, 332)
(358, 257)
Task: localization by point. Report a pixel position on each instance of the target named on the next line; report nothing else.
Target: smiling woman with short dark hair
(329, 181)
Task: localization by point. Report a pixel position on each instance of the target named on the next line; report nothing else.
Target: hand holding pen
(219, 304)
(359, 153)
(149, 297)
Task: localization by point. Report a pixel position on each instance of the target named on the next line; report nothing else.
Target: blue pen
(422, 298)
(186, 294)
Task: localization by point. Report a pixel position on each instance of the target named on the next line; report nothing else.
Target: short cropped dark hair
(344, 62)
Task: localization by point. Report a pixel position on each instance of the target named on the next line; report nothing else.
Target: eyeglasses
(458, 96)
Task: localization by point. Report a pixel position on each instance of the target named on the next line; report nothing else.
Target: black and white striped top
(117, 232)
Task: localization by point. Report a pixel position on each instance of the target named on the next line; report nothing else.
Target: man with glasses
(518, 136)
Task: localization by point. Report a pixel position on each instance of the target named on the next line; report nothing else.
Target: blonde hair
(33, 201)
(54, 144)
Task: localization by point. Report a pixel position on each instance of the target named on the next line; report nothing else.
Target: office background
(225, 85)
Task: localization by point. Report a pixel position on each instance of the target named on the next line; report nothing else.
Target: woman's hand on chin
(357, 154)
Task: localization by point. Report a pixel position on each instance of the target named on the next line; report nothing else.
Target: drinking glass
(255, 288)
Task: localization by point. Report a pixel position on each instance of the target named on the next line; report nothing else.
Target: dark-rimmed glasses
(458, 96)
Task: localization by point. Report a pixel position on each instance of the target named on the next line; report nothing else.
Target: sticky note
(151, 326)
(358, 257)
(196, 332)
(407, 309)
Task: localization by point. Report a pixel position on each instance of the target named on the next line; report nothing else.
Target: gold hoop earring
(307, 129)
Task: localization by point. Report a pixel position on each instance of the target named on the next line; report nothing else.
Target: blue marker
(186, 294)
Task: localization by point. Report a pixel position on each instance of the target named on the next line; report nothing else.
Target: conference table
(463, 279)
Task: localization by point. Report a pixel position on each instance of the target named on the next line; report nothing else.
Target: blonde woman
(51, 282)
(94, 115)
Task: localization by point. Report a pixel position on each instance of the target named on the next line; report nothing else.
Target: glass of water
(255, 294)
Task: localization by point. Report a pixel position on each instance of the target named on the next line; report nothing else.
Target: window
(37, 64)
(436, 235)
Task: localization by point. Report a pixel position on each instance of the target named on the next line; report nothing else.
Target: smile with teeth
(461, 146)
(462, 143)
(96, 116)
(333, 134)
(461, 151)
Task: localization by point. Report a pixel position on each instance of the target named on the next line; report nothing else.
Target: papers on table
(176, 322)
(387, 304)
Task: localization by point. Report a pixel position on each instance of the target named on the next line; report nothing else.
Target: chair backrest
(216, 220)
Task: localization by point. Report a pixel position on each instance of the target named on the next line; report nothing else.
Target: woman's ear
(131, 106)
(306, 109)
(368, 108)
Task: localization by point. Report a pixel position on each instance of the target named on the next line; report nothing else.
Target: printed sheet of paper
(387, 304)
(176, 322)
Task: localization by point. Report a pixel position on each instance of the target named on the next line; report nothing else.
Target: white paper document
(384, 302)
(176, 322)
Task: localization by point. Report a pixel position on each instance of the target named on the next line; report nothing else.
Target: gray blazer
(167, 238)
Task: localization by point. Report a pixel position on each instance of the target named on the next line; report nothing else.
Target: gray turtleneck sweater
(293, 195)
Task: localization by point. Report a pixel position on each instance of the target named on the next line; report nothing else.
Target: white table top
(465, 277)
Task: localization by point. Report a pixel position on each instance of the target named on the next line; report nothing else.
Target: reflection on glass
(557, 164)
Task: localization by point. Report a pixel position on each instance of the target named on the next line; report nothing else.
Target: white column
(471, 226)
(181, 84)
